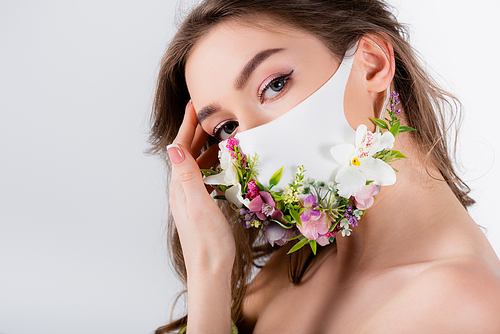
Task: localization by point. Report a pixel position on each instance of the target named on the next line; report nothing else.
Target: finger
(200, 138)
(188, 128)
(187, 172)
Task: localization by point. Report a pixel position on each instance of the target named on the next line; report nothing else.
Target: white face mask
(304, 135)
(316, 135)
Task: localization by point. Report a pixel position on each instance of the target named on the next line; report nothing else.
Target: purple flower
(247, 218)
(279, 235)
(395, 102)
(310, 208)
(349, 215)
(264, 206)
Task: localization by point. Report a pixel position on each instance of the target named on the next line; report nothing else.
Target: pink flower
(231, 143)
(314, 226)
(322, 240)
(264, 206)
(253, 190)
(364, 197)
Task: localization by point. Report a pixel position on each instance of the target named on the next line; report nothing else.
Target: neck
(405, 219)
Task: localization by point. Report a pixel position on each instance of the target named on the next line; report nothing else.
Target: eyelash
(285, 78)
(218, 129)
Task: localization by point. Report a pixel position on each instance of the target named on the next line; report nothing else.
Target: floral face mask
(307, 175)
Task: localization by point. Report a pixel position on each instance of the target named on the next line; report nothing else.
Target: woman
(415, 262)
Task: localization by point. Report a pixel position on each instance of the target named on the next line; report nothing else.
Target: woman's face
(240, 77)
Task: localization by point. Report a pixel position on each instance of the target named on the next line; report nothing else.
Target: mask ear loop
(384, 107)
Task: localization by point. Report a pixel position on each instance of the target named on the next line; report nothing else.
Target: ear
(373, 71)
(376, 63)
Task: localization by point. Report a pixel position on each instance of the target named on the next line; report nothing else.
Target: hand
(206, 237)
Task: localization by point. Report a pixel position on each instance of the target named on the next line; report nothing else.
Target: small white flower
(344, 223)
(358, 163)
(346, 232)
(267, 209)
(344, 226)
(288, 192)
(228, 177)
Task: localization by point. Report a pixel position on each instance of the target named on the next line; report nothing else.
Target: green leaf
(298, 245)
(395, 128)
(333, 226)
(380, 123)
(220, 197)
(300, 235)
(261, 187)
(240, 175)
(275, 179)
(398, 155)
(313, 245)
(281, 224)
(296, 216)
(406, 129)
(276, 196)
(208, 172)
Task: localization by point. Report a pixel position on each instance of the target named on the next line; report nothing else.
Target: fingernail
(188, 104)
(175, 153)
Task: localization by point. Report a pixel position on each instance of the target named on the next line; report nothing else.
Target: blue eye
(224, 130)
(274, 88)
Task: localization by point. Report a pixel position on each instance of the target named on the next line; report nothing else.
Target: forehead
(219, 57)
(234, 43)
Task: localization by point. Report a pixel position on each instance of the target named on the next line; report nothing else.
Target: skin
(417, 262)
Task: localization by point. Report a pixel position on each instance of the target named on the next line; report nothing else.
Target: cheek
(358, 109)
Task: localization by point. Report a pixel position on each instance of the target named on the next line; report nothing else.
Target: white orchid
(359, 166)
(228, 177)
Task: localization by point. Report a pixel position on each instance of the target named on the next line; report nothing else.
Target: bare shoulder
(454, 296)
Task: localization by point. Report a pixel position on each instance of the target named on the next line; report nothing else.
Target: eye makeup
(273, 88)
(278, 85)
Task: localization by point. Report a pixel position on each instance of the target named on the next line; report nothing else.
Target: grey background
(82, 207)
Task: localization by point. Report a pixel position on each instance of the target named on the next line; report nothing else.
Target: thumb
(186, 170)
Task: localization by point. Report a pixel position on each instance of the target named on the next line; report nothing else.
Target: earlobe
(376, 60)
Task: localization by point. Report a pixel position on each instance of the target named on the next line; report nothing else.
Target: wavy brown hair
(339, 24)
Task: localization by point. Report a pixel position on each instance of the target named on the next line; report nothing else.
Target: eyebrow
(252, 65)
(207, 111)
(240, 82)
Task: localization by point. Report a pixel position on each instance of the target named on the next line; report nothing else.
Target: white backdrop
(82, 208)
